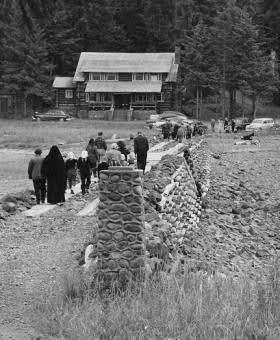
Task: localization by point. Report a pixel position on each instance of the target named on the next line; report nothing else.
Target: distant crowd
(178, 131)
(53, 174)
(226, 125)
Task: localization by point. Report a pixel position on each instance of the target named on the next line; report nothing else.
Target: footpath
(154, 156)
(39, 246)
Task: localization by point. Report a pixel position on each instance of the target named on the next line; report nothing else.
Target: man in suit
(141, 147)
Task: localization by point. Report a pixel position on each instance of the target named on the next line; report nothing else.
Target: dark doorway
(122, 101)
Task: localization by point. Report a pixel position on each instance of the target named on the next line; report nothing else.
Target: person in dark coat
(103, 165)
(93, 156)
(53, 169)
(166, 129)
(141, 147)
(101, 144)
(35, 173)
(175, 130)
(232, 125)
(84, 169)
(123, 149)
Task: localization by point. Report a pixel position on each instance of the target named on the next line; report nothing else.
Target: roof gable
(123, 62)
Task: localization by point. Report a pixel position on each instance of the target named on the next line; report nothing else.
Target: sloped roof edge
(64, 82)
(123, 62)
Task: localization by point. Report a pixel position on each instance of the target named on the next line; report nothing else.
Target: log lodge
(120, 86)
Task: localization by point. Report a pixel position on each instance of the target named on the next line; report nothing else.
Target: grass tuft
(190, 306)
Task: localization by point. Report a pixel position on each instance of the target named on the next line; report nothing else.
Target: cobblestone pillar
(120, 245)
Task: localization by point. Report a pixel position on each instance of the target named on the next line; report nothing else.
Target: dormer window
(112, 76)
(94, 76)
(138, 76)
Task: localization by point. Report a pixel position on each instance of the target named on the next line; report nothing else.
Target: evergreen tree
(25, 68)
(234, 38)
(260, 79)
(197, 53)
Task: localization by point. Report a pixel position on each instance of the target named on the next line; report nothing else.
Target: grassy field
(190, 306)
(26, 134)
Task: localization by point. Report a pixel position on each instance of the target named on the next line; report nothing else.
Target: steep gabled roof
(64, 82)
(123, 62)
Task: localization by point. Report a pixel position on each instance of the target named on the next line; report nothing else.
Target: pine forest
(228, 47)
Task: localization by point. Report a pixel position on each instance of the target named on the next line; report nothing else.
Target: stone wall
(120, 237)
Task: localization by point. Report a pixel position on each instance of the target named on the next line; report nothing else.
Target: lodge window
(4, 104)
(68, 94)
(94, 76)
(112, 76)
(102, 76)
(148, 76)
(91, 97)
(145, 97)
(138, 76)
(98, 97)
(105, 97)
(155, 76)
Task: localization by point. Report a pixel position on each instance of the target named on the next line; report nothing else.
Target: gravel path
(35, 253)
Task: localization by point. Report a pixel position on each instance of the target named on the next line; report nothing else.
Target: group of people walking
(223, 125)
(55, 173)
(178, 131)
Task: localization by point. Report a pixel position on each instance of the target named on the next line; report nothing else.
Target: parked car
(153, 118)
(260, 124)
(51, 115)
(241, 123)
(173, 121)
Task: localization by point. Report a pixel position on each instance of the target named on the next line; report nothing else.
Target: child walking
(71, 170)
(84, 168)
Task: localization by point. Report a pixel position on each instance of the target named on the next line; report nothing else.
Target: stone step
(89, 209)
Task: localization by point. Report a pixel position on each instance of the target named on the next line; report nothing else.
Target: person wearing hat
(35, 173)
(84, 168)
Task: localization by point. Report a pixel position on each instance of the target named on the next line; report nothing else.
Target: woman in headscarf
(113, 155)
(54, 171)
(84, 169)
(71, 170)
(92, 155)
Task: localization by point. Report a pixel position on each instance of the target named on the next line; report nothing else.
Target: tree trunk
(242, 103)
(231, 103)
(254, 106)
(223, 90)
(197, 101)
(24, 106)
(201, 103)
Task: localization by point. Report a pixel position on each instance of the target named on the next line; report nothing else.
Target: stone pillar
(120, 237)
